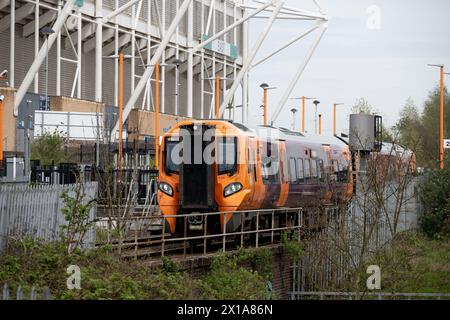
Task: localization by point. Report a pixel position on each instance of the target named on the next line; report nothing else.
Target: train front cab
(182, 190)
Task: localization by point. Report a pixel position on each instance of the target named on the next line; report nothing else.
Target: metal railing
(264, 231)
(323, 295)
(19, 294)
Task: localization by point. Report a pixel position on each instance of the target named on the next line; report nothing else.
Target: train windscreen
(227, 155)
(171, 166)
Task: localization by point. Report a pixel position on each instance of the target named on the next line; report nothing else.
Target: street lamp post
(266, 88)
(441, 126)
(293, 110)
(3, 76)
(303, 98)
(316, 102)
(320, 124)
(334, 117)
(177, 63)
(46, 31)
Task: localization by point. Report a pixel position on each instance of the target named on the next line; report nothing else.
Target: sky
(376, 49)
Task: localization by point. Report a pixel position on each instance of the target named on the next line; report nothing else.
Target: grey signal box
(365, 132)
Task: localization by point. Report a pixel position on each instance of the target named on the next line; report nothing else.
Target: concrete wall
(141, 124)
(61, 103)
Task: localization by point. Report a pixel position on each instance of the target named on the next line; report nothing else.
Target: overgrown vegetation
(104, 275)
(413, 263)
(50, 148)
(435, 195)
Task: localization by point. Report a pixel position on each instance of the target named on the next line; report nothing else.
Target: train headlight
(232, 188)
(166, 188)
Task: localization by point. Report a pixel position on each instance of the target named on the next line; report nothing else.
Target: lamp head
(316, 102)
(4, 75)
(46, 31)
(264, 85)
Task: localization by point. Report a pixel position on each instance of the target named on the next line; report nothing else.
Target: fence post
(19, 293)
(46, 293)
(33, 293)
(5, 292)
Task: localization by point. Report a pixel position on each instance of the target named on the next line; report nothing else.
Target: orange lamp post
(119, 157)
(157, 115)
(320, 124)
(1, 128)
(441, 117)
(217, 97)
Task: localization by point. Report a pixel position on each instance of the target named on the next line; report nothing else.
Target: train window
(300, 173)
(307, 169)
(227, 155)
(292, 170)
(249, 161)
(270, 170)
(314, 168)
(170, 165)
(320, 169)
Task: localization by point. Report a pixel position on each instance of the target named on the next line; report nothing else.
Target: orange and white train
(263, 169)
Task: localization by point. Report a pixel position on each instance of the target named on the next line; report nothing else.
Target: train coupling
(195, 222)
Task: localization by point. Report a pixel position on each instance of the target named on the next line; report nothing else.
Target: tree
(430, 126)
(49, 147)
(408, 129)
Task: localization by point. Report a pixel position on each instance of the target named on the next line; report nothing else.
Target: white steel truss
(150, 32)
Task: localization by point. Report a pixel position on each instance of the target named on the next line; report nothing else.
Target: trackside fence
(35, 211)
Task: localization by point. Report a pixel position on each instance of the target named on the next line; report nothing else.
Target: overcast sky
(386, 65)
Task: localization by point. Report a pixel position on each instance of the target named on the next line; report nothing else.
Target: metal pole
(36, 43)
(265, 107)
(177, 90)
(300, 70)
(315, 119)
(156, 57)
(46, 77)
(1, 128)
(12, 48)
(98, 50)
(157, 115)
(190, 60)
(441, 130)
(303, 114)
(251, 56)
(218, 97)
(320, 124)
(334, 119)
(119, 157)
(441, 136)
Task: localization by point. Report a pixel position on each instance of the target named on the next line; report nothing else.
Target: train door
(284, 175)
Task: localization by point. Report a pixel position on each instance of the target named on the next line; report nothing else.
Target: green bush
(228, 281)
(435, 195)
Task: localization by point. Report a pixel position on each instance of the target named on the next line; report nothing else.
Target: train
(253, 169)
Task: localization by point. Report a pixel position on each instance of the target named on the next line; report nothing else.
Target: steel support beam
(44, 19)
(41, 55)
(98, 50)
(300, 70)
(20, 14)
(248, 61)
(156, 57)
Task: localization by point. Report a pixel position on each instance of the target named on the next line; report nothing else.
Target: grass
(415, 263)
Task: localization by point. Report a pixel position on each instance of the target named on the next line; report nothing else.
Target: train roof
(289, 135)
